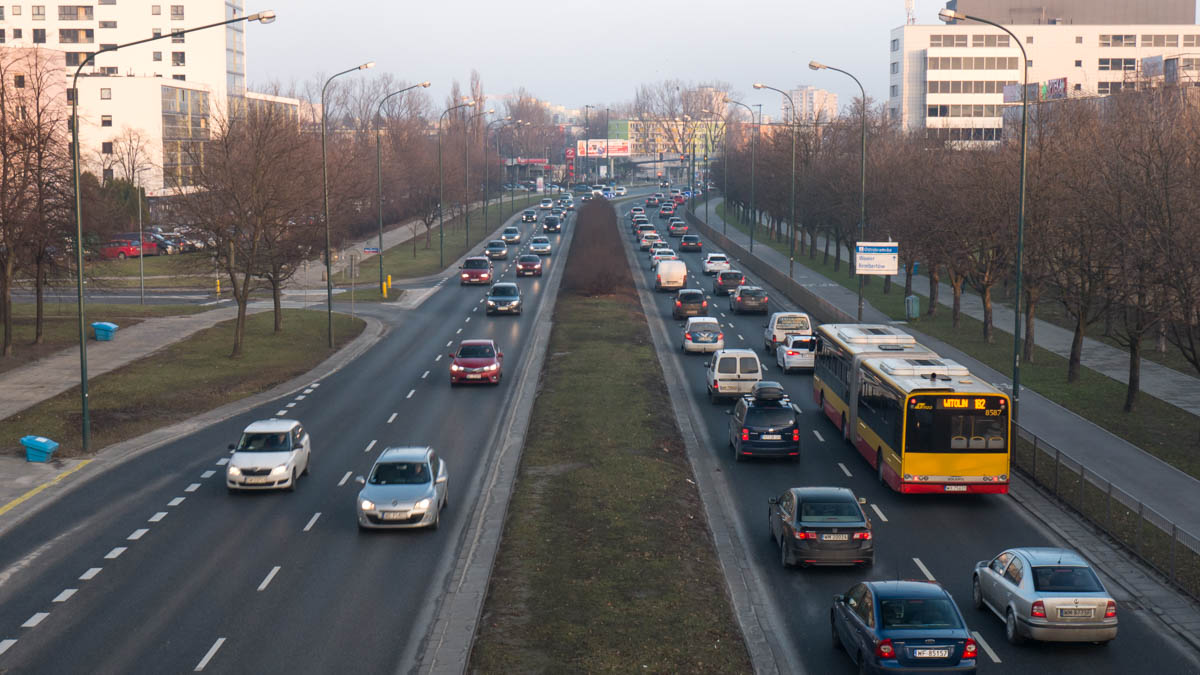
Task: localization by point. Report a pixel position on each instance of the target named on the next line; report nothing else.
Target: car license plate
(256, 480)
(931, 653)
(1075, 613)
(771, 437)
(956, 488)
(395, 515)
(835, 537)
(474, 377)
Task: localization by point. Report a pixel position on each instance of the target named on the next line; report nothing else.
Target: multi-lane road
(153, 567)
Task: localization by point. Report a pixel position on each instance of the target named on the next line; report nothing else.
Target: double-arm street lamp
(86, 427)
(442, 185)
(949, 15)
(379, 172)
(467, 172)
(325, 190)
(792, 246)
(753, 144)
(486, 194)
(862, 195)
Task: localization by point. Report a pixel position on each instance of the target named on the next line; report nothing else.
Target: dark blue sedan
(902, 626)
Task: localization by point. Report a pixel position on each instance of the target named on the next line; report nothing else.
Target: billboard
(595, 147)
(1012, 92)
(1152, 66)
(524, 161)
(1055, 90)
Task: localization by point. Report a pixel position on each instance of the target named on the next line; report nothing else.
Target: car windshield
(730, 278)
(753, 293)
(830, 512)
(504, 291)
(529, 259)
(1065, 579)
(511, 230)
(918, 613)
(476, 352)
(261, 442)
(530, 213)
(399, 473)
(475, 265)
(769, 417)
(496, 244)
(539, 240)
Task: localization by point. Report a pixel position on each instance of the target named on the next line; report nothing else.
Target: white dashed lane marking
(469, 318)
(844, 469)
(280, 413)
(90, 574)
(308, 391)
(35, 619)
(158, 516)
(65, 595)
(207, 474)
(344, 479)
(457, 332)
(312, 521)
(879, 513)
(425, 375)
(301, 397)
(314, 385)
(223, 461)
(410, 393)
(176, 502)
(5, 645)
(449, 342)
(267, 581)
(192, 488)
(924, 569)
(208, 656)
(987, 649)
(818, 435)
(292, 404)
(372, 443)
(137, 534)
(439, 358)
(115, 553)
(475, 309)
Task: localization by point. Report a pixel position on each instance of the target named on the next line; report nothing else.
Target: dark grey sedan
(821, 526)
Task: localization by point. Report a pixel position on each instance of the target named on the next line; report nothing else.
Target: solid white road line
(35, 619)
(344, 479)
(301, 397)
(223, 461)
(115, 553)
(844, 469)
(267, 581)
(439, 358)
(207, 474)
(291, 404)
(158, 516)
(372, 443)
(425, 375)
(924, 569)
(65, 595)
(90, 574)
(280, 413)
(392, 418)
(5, 645)
(818, 435)
(312, 521)
(176, 502)
(410, 393)
(879, 513)
(192, 488)
(212, 651)
(137, 534)
(987, 649)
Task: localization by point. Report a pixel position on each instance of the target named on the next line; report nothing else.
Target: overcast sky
(573, 52)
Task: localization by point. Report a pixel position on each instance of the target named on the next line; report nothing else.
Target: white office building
(167, 93)
(812, 105)
(949, 79)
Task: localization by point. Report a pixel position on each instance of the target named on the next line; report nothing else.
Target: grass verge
(606, 563)
(182, 380)
(1155, 426)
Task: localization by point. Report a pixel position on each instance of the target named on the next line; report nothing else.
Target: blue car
(902, 626)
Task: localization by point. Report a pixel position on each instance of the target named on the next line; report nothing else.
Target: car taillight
(1110, 612)
(1038, 609)
(774, 339)
(658, 277)
(716, 385)
(884, 649)
(745, 434)
(678, 303)
(795, 435)
(970, 651)
(720, 336)
(806, 535)
(739, 298)
(862, 535)
(765, 299)
(687, 336)
(792, 353)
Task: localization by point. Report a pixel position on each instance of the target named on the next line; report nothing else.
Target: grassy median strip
(185, 379)
(606, 563)
(1155, 426)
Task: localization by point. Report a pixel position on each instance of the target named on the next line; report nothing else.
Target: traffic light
(681, 157)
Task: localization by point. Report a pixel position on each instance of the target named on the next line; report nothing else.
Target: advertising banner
(525, 161)
(595, 147)
(1055, 90)
(1152, 66)
(880, 258)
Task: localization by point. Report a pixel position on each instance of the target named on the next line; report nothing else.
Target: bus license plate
(956, 488)
(931, 653)
(771, 437)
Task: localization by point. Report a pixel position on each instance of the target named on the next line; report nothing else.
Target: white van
(670, 275)
(783, 324)
(731, 373)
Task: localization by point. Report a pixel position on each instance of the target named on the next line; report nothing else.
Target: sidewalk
(1167, 490)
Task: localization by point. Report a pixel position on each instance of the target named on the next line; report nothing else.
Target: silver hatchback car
(407, 488)
(1048, 594)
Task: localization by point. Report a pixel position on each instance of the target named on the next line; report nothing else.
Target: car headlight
(234, 471)
(366, 505)
(423, 504)
(491, 303)
(494, 366)
(454, 367)
(279, 470)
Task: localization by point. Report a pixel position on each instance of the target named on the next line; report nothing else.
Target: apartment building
(812, 104)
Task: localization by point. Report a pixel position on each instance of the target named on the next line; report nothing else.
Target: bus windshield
(955, 423)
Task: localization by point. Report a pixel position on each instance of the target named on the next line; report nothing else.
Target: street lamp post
(792, 245)
(607, 158)
(486, 180)
(325, 191)
(442, 186)
(86, 425)
(753, 144)
(467, 172)
(379, 173)
(724, 168)
(862, 198)
(587, 135)
(948, 15)
(137, 188)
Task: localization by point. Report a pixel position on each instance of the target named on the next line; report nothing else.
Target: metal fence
(1144, 532)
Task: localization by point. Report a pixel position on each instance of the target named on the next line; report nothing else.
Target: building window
(38, 12)
(108, 2)
(1078, 39)
(157, 56)
(177, 59)
(157, 32)
(947, 40)
(1029, 63)
(895, 90)
(108, 24)
(1079, 63)
(39, 36)
(989, 40)
(179, 77)
(16, 33)
(1078, 87)
(1118, 40)
(75, 36)
(2, 36)
(105, 94)
(74, 12)
(895, 67)
(109, 70)
(76, 58)
(70, 96)
(16, 10)
(108, 175)
(1188, 40)
(1028, 39)
(155, 9)
(1117, 64)
(106, 120)
(106, 147)
(973, 63)
(1106, 88)
(895, 45)
(1, 13)
(110, 45)
(177, 38)
(19, 81)
(177, 12)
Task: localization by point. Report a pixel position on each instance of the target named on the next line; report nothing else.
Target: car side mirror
(772, 500)
(441, 479)
(729, 411)
(862, 501)
(298, 446)
(360, 480)
(839, 598)
(450, 354)
(500, 354)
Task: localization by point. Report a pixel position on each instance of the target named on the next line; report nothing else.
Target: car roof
(497, 241)
(479, 257)
(907, 589)
(816, 493)
(478, 341)
(406, 454)
(512, 227)
(1048, 555)
(273, 425)
(504, 284)
(734, 351)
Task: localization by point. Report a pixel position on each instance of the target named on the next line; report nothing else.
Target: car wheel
(737, 454)
(976, 593)
(292, 485)
(835, 639)
(862, 664)
(784, 560)
(1010, 629)
(437, 520)
(879, 467)
(120, 256)
(307, 464)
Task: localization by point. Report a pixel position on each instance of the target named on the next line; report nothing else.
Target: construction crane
(910, 12)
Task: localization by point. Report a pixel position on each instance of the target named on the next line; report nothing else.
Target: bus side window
(977, 443)
(958, 443)
(995, 443)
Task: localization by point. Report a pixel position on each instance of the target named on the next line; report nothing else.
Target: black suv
(689, 302)
(690, 242)
(529, 216)
(504, 298)
(551, 224)
(748, 299)
(726, 281)
(764, 424)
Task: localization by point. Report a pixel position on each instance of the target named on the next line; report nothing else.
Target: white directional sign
(881, 258)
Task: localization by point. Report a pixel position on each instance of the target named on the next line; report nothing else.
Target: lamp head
(759, 85)
(489, 111)
(817, 65)
(425, 84)
(367, 66)
(267, 16)
(948, 15)
(706, 111)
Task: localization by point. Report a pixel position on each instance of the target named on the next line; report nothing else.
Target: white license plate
(1074, 613)
(835, 537)
(395, 515)
(254, 480)
(956, 488)
(474, 377)
(771, 437)
(931, 653)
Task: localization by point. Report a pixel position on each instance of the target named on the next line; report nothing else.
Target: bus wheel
(879, 466)
(845, 429)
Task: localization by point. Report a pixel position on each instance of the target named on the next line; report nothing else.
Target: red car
(476, 361)
(529, 264)
(679, 199)
(120, 249)
(475, 270)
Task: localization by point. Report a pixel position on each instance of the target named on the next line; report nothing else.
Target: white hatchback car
(272, 454)
(715, 262)
(702, 334)
(620, 190)
(794, 353)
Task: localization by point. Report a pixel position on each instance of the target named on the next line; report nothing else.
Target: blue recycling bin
(104, 330)
(38, 448)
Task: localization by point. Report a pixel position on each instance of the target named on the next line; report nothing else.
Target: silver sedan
(1048, 594)
(407, 488)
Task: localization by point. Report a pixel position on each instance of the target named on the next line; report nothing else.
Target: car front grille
(256, 472)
